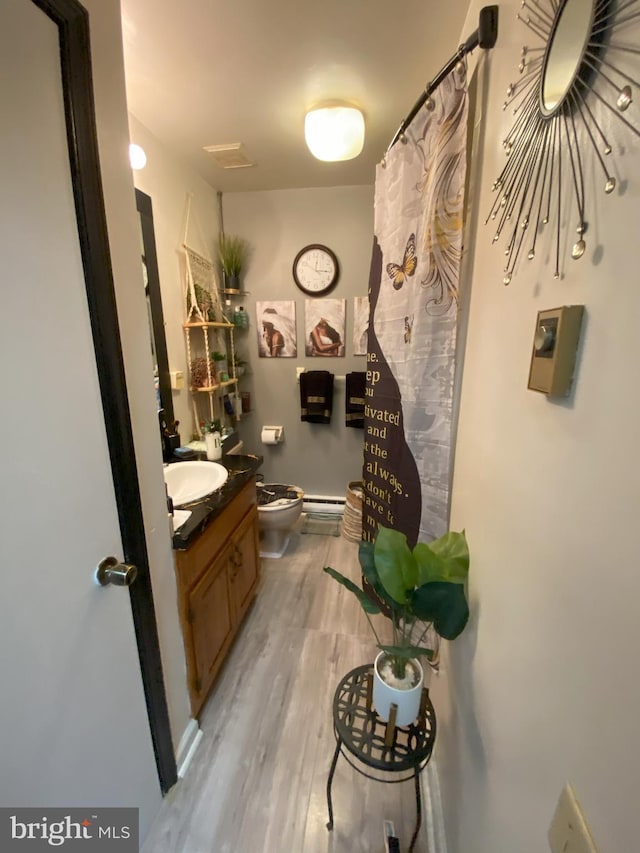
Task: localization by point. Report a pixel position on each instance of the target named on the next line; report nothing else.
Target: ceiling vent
(232, 156)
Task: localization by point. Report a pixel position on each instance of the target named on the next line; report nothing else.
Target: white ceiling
(211, 72)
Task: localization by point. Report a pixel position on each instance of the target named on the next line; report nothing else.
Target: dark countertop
(242, 468)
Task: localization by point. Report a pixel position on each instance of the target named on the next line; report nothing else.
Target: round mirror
(570, 35)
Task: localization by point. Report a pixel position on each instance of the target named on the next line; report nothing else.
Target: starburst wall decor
(566, 84)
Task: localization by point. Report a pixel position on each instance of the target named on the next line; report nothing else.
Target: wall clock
(315, 269)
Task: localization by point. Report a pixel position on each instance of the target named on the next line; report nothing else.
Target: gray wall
(541, 688)
(321, 459)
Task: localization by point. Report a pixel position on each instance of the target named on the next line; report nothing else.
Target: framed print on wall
(360, 324)
(324, 327)
(276, 325)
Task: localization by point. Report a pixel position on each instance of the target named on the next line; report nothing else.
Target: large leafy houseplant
(415, 589)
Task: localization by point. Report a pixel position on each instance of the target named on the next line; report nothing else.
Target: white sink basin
(190, 481)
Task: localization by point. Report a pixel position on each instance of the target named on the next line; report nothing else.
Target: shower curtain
(419, 198)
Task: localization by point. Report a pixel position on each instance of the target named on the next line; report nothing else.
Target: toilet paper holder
(272, 434)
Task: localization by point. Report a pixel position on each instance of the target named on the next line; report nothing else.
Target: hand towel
(316, 396)
(354, 399)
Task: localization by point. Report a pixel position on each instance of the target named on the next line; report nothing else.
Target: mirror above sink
(191, 481)
(154, 304)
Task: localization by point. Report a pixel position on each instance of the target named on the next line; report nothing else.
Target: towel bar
(300, 370)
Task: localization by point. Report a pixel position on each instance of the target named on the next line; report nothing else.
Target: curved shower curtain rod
(485, 36)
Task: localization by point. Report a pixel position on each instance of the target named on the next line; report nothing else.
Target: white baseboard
(188, 744)
(433, 814)
(333, 504)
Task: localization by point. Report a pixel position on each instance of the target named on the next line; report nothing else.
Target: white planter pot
(214, 446)
(408, 701)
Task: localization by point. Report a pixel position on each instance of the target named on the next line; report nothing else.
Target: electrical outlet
(568, 832)
(177, 380)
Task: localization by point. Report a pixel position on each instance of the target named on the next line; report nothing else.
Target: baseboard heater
(327, 504)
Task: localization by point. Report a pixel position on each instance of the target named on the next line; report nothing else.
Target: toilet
(279, 508)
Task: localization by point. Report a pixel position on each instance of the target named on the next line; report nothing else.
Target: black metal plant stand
(381, 746)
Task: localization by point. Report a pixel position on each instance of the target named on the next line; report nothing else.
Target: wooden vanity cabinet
(244, 568)
(217, 579)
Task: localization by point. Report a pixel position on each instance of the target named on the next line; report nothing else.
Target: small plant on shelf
(204, 301)
(200, 373)
(211, 426)
(221, 367)
(233, 252)
(240, 366)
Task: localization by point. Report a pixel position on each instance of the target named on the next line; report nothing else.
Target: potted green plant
(211, 431)
(221, 365)
(415, 589)
(211, 426)
(233, 252)
(204, 301)
(240, 366)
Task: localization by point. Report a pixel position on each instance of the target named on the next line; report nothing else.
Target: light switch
(555, 344)
(568, 832)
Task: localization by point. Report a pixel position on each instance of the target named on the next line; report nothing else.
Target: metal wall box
(555, 346)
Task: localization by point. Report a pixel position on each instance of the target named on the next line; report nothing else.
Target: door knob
(111, 570)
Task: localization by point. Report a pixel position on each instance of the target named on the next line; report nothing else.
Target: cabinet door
(244, 564)
(211, 627)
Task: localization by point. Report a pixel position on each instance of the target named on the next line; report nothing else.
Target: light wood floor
(257, 783)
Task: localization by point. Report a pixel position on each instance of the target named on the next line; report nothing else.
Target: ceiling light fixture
(137, 157)
(334, 132)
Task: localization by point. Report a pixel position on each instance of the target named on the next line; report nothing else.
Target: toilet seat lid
(277, 493)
